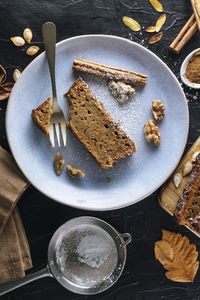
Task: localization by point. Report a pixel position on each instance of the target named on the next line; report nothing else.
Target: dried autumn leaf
(155, 38)
(157, 5)
(1, 77)
(164, 252)
(7, 86)
(132, 24)
(161, 20)
(3, 74)
(151, 29)
(4, 95)
(182, 264)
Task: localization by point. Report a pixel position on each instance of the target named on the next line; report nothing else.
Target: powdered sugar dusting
(93, 250)
(86, 255)
(126, 114)
(120, 90)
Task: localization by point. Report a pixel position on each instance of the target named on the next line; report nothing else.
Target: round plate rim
(171, 170)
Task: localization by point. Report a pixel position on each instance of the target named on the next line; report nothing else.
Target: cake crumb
(74, 172)
(108, 179)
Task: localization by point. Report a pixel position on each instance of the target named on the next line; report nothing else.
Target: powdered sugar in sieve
(86, 255)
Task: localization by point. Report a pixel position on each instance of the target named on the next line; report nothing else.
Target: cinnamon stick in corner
(196, 9)
(184, 35)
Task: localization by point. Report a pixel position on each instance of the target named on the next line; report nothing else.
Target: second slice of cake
(95, 128)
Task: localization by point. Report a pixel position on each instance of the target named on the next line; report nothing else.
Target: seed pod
(132, 24)
(151, 29)
(18, 41)
(157, 5)
(32, 50)
(194, 156)
(187, 168)
(155, 38)
(160, 22)
(27, 34)
(177, 179)
(16, 74)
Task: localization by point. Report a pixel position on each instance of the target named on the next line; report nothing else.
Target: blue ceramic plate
(134, 177)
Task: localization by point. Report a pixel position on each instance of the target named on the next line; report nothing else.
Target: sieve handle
(13, 284)
(126, 237)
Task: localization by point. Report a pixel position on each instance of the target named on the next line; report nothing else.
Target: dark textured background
(143, 277)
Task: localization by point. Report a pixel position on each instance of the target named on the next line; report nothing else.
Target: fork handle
(49, 39)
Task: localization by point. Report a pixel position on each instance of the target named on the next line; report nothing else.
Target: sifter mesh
(86, 255)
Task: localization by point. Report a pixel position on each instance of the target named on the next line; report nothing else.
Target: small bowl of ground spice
(190, 70)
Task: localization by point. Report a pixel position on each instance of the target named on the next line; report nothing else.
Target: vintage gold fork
(57, 117)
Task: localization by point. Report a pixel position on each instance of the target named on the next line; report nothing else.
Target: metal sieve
(85, 255)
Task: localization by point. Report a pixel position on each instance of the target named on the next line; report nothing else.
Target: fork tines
(57, 132)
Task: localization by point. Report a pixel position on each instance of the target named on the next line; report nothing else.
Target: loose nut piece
(74, 172)
(187, 168)
(177, 179)
(58, 163)
(32, 50)
(27, 34)
(152, 133)
(16, 74)
(158, 110)
(194, 156)
(18, 41)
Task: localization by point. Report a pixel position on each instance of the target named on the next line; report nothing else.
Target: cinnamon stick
(196, 9)
(110, 73)
(184, 35)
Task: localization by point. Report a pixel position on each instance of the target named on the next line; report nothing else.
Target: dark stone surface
(143, 277)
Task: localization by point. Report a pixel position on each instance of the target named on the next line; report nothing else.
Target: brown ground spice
(193, 68)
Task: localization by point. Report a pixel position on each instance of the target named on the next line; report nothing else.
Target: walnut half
(58, 163)
(74, 172)
(151, 132)
(158, 110)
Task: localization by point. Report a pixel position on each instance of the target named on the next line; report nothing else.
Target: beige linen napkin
(14, 249)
